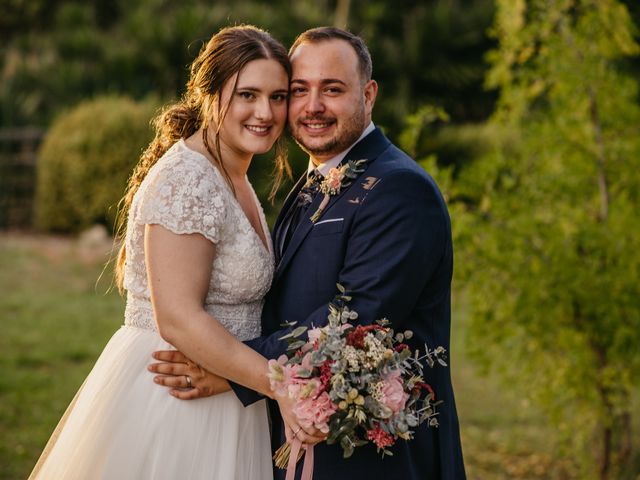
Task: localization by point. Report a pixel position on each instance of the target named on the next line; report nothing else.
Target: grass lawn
(503, 436)
(55, 321)
(56, 318)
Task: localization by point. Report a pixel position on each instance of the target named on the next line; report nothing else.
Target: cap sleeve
(184, 195)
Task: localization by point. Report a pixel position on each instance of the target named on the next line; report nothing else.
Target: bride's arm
(179, 271)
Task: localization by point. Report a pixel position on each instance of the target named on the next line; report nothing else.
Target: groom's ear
(370, 91)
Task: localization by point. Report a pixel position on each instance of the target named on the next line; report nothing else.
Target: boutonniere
(336, 180)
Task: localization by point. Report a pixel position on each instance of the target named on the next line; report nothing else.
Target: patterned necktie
(303, 200)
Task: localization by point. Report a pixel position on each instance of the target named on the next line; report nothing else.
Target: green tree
(427, 52)
(57, 53)
(551, 237)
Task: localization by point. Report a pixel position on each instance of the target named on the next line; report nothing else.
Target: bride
(198, 262)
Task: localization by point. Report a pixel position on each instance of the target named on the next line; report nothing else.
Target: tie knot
(314, 176)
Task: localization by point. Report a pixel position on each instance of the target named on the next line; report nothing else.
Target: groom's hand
(186, 379)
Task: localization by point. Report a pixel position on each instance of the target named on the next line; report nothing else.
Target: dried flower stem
(281, 457)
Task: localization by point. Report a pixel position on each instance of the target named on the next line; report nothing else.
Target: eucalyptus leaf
(347, 446)
(297, 344)
(299, 331)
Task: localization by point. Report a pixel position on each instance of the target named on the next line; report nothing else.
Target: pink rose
(334, 179)
(314, 334)
(393, 395)
(315, 411)
(306, 364)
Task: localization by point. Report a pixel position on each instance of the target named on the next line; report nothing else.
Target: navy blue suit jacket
(387, 239)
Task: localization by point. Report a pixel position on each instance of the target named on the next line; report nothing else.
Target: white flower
(355, 358)
(374, 351)
(375, 389)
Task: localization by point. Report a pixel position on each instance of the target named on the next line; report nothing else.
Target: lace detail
(183, 196)
(185, 193)
(242, 320)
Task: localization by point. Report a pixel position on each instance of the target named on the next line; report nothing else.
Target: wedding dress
(121, 425)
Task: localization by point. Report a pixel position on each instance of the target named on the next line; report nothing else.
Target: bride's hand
(292, 427)
(186, 379)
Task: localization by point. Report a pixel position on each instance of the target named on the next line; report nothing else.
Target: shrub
(86, 159)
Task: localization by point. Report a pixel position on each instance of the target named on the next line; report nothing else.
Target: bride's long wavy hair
(219, 60)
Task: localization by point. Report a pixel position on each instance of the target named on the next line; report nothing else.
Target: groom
(386, 238)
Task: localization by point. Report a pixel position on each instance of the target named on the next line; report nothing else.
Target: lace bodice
(185, 193)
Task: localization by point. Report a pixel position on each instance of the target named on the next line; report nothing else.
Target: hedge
(85, 161)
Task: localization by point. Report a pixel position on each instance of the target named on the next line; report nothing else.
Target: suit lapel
(303, 229)
(369, 148)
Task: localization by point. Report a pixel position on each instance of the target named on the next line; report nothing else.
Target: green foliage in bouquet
(85, 161)
(361, 380)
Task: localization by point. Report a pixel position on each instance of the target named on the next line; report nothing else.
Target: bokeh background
(525, 111)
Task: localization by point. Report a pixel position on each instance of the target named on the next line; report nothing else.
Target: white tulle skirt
(121, 425)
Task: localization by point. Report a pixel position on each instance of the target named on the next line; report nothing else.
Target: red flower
(421, 385)
(373, 326)
(355, 338)
(400, 347)
(381, 438)
(325, 375)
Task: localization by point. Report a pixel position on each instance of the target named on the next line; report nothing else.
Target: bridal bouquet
(358, 384)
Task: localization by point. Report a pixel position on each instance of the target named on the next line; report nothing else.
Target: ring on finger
(295, 434)
(188, 378)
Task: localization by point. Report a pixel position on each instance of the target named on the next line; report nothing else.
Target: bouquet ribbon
(307, 468)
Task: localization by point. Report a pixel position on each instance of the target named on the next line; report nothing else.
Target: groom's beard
(346, 134)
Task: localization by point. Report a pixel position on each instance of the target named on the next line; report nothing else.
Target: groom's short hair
(323, 34)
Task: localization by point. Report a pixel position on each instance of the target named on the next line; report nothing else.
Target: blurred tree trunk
(341, 19)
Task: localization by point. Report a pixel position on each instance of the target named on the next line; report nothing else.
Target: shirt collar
(324, 167)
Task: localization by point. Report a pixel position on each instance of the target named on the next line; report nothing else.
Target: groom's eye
(298, 90)
(333, 90)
